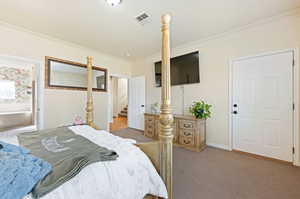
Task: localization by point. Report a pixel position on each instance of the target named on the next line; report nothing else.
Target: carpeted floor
(218, 174)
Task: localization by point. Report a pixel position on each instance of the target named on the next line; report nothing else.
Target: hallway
(118, 124)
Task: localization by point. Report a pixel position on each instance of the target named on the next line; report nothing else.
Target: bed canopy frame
(161, 152)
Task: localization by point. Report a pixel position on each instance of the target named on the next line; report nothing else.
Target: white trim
(264, 54)
(296, 87)
(219, 146)
(296, 161)
(41, 93)
(120, 76)
(61, 41)
(19, 130)
(230, 90)
(15, 113)
(190, 46)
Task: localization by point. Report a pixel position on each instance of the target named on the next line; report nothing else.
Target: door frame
(39, 88)
(109, 88)
(296, 87)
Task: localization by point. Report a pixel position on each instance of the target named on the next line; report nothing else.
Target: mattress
(131, 176)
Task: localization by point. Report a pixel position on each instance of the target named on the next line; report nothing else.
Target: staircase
(123, 112)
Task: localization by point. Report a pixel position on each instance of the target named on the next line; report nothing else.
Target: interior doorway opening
(20, 94)
(119, 103)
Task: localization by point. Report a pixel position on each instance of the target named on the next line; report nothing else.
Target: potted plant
(200, 110)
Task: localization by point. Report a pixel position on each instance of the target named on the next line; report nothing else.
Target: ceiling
(113, 30)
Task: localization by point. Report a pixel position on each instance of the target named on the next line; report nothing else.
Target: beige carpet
(218, 174)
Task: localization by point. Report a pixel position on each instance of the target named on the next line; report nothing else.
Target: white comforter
(131, 176)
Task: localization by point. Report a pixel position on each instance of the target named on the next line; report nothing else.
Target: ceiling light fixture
(113, 2)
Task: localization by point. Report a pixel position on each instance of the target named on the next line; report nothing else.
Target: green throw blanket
(67, 152)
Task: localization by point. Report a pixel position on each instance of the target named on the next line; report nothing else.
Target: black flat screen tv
(184, 70)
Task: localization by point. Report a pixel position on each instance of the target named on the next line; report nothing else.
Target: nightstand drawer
(186, 141)
(149, 132)
(149, 119)
(150, 126)
(185, 124)
(187, 133)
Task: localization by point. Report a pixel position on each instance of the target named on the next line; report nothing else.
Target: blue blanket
(19, 171)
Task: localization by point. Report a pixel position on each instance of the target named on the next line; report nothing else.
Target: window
(7, 90)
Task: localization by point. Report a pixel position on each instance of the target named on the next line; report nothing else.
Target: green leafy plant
(200, 110)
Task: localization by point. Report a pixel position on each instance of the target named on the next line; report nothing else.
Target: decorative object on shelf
(155, 108)
(200, 110)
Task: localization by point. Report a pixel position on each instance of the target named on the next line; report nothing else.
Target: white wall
(61, 106)
(215, 54)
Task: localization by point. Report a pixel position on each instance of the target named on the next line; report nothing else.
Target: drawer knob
(187, 133)
(186, 141)
(187, 125)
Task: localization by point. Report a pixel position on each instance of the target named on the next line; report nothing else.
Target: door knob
(235, 105)
(142, 105)
(234, 112)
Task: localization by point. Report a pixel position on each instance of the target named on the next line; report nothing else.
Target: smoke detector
(113, 2)
(143, 18)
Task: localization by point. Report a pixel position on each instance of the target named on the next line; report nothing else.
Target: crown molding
(194, 45)
(57, 40)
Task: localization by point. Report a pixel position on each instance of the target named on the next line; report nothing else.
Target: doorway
(20, 94)
(262, 105)
(119, 103)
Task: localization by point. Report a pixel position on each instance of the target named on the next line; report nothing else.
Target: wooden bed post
(166, 117)
(89, 106)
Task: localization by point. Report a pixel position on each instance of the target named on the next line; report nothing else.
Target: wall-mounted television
(184, 70)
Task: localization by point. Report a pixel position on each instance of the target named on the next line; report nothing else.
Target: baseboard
(297, 164)
(219, 146)
(18, 130)
(140, 130)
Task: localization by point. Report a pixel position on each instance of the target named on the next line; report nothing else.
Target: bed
(131, 176)
(142, 170)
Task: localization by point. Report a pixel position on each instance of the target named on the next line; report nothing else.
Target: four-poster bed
(160, 153)
(130, 175)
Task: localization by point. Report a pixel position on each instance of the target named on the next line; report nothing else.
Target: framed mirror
(62, 74)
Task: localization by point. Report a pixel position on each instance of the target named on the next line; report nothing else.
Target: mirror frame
(48, 76)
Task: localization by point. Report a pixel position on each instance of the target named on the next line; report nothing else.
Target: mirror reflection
(64, 74)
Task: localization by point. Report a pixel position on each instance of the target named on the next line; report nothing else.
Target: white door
(136, 102)
(110, 100)
(263, 105)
